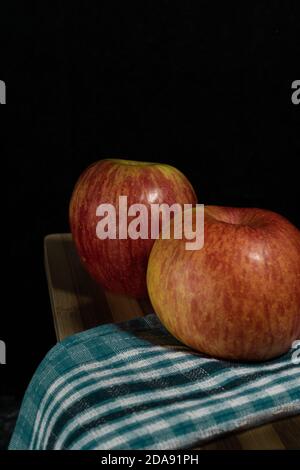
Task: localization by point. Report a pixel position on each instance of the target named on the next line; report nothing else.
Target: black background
(203, 85)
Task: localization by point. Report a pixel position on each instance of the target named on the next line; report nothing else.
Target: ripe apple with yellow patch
(118, 261)
(237, 298)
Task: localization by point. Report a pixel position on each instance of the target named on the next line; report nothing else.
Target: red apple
(120, 265)
(238, 297)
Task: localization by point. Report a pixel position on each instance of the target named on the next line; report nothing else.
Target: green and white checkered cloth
(133, 386)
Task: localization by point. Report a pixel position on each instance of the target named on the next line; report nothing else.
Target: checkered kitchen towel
(133, 386)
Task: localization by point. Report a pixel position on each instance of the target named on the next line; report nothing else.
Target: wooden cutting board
(78, 303)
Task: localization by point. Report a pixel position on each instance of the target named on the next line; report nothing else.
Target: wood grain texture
(78, 303)
(280, 435)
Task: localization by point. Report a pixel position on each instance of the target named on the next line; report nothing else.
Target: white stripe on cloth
(160, 394)
(189, 410)
(191, 438)
(122, 356)
(69, 387)
(111, 381)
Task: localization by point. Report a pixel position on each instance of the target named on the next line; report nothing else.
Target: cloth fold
(133, 386)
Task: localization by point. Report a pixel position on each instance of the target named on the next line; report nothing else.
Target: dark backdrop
(203, 85)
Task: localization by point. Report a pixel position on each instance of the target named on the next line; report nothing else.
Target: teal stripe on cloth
(133, 386)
